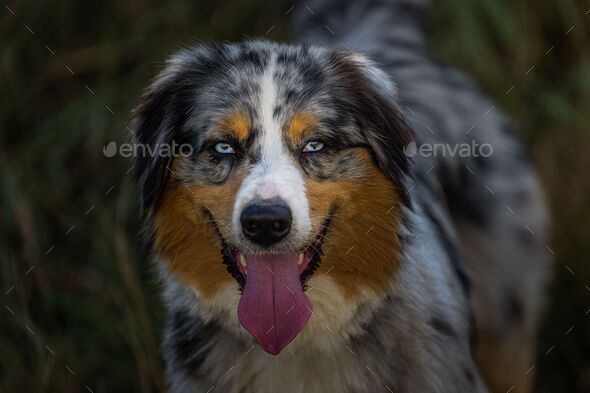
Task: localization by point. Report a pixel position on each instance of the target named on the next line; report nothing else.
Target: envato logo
(463, 150)
(142, 150)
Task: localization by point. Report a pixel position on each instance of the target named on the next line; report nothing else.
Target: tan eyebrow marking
(237, 123)
(300, 124)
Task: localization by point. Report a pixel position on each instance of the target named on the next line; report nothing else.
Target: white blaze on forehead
(275, 175)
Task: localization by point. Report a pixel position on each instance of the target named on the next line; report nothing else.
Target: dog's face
(291, 199)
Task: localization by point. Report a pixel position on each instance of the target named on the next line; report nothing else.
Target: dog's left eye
(224, 148)
(313, 146)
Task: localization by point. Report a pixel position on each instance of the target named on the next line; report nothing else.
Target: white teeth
(243, 261)
(301, 258)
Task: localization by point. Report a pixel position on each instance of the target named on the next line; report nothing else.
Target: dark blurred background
(79, 305)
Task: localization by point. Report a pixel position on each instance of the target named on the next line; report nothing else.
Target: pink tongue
(273, 307)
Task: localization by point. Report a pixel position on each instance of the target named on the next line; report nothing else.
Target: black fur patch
(188, 340)
(463, 201)
(470, 376)
(513, 307)
(443, 327)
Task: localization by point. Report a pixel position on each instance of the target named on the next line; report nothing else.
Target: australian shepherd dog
(315, 238)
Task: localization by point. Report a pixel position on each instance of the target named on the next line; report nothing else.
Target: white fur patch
(334, 318)
(275, 175)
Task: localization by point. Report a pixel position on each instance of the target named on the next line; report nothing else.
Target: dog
(307, 241)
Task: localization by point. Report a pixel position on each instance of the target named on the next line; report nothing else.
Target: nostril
(249, 226)
(266, 223)
(277, 224)
(280, 225)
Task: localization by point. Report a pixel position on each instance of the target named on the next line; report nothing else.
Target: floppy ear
(152, 125)
(158, 121)
(376, 110)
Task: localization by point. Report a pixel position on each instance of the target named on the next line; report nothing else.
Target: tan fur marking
(185, 238)
(237, 123)
(300, 125)
(361, 249)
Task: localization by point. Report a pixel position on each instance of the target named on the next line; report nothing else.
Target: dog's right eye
(224, 148)
(313, 146)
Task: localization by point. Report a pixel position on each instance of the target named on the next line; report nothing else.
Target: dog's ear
(373, 100)
(152, 126)
(157, 123)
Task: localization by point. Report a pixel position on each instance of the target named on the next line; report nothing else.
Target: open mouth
(308, 260)
(273, 306)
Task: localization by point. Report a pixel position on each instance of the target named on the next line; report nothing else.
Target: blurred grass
(70, 214)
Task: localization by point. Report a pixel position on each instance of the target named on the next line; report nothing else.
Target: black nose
(266, 224)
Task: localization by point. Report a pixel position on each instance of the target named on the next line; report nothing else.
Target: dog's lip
(308, 258)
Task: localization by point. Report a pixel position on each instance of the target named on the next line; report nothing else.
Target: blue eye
(224, 148)
(313, 146)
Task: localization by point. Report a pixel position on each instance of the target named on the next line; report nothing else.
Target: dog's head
(287, 194)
